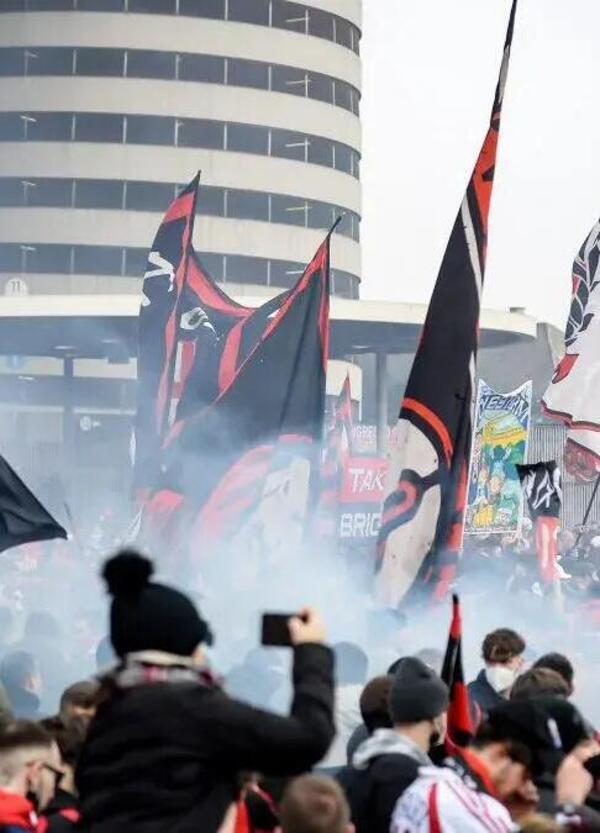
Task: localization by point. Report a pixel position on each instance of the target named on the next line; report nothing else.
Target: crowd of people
(156, 741)
(511, 561)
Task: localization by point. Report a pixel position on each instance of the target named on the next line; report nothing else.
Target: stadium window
(321, 87)
(242, 11)
(343, 158)
(98, 127)
(152, 6)
(12, 61)
(49, 257)
(135, 261)
(247, 205)
(355, 164)
(205, 68)
(211, 201)
(246, 138)
(99, 62)
(242, 73)
(214, 265)
(290, 80)
(214, 9)
(149, 63)
(289, 145)
(48, 60)
(12, 6)
(12, 191)
(47, 127)
(12, 127)
(343, 32)
(149, 196)
(200, 133)
(292, 211)
(290, 16)
(10, 257)
(100, 5)
(49, 192)
(285, 273)
(320, 24)
(98, 260)
(321, 215)
(320, 151)
(98, 193)
(245, 269)
(48, 5)
(150, 130)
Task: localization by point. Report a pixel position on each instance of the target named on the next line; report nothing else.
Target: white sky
(430, 69)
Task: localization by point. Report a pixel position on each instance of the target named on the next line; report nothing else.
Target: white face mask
(501, 677)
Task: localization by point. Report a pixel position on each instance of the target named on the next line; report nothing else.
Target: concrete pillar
(381, 393)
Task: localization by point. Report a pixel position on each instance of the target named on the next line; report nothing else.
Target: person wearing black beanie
(388, 762)
(166, 746)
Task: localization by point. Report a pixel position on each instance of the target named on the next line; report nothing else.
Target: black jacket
(384, 766)
(61, 815)
(483, 695)
(165, 756)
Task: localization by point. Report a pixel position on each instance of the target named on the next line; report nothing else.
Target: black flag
(422, 520)
(23, 519)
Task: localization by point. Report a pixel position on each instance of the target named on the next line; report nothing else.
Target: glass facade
(42, 126)
(55, 258)
(233, 203)
(279, 14)
(177, 66)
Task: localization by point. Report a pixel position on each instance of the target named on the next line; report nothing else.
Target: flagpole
(173, 356)
(589, 508)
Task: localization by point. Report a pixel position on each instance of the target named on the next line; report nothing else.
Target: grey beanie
(417, 693)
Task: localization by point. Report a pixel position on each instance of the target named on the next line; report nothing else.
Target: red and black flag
(422, 521)
(162, 291)
(254, 450)
(192, 336)
(460, 722)
(23, 519)
(337, 451)
(541, 484)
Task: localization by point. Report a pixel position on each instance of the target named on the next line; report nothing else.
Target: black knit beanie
(417, 693)
(146, 616)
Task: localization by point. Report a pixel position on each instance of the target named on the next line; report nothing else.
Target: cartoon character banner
(495, 502)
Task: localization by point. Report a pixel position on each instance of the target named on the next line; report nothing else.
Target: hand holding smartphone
(287, 629)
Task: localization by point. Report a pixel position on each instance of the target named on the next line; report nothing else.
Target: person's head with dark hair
(314, 804)
(21, 680)
(351, 663)
(69, 737)
(539, 681)
(502, 652)
(28, 762)
(148, 616)
(374, 703)
(79, 700)
(41, 624)
(561, 664)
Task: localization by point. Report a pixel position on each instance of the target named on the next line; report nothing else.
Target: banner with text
(361, 496)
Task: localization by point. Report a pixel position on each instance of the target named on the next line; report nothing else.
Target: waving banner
(422, 522)
(542, 487)
(499, 444)
(573, 396)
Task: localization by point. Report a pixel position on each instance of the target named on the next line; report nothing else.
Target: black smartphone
(593, 767)
(275, 630)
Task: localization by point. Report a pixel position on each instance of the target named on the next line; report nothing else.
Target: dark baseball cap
(550, 727)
